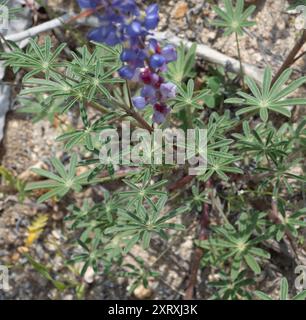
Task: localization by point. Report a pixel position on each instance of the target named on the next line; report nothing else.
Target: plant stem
(189, 117)
(131, 112)
(99, 107)
(203, 235)
(239, 57)
(180, 184)
(105, 177)
(291, 57)
(129, 94)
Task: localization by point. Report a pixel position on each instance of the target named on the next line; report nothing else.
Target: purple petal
(169, 52)
(148, 92)
(139, 102)
(157, 61)
(168, 90)
(126, 73)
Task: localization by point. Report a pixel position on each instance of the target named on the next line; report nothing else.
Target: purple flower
(149, 93)
(144, 60)
(89, 4)
(168, 90)
(108, 34)
(152, 17)
(153, 47)
(128, 55)
(160, 113)
(135, 29)
(139, 102)
(126, 6)
(157, 61)
(169, 53)
(126, 73)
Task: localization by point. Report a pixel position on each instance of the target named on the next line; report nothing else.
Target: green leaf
(262, 295)
(270, 97)
(233, 19)
(264, 115)
(284, 289)
(300, 296)
(59, 185)
(252, 263)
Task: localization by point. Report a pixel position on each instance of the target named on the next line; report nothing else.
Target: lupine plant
(248, 200)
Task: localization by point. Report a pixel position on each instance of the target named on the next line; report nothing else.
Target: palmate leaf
(139, 273)
(39, 107)
(84, 136)
(86, 79)
(85, 62)
(56, 87)
(95, 83)
(262, 143)
(269, 97)
(233, 19)
(40, 59)
(281, 175)
(188, 98)
(142, 192)
(198, 198)
(229, 289)
(90, 257)
(238, 246)
(221, 166)
(93, 219)
(141, 223)
(290, 223)
(59, 184)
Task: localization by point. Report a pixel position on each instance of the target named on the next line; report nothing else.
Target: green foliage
(229, 289)
(12, 11)
(239, 245)
(143, 191)
(295, 3)
(262, 142)
(37, 108)
(139, 273)
(187, 98)
(290, 223)
(59, 184)
(254, 169)
(198, 198)
(45, 273)
(183, 67)
(38, 58)
(92, 219)
(13, 182)
(83, 80)
(283, 294)
(269, 97)
(84, 136)
(141, 223)
(233, 19)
